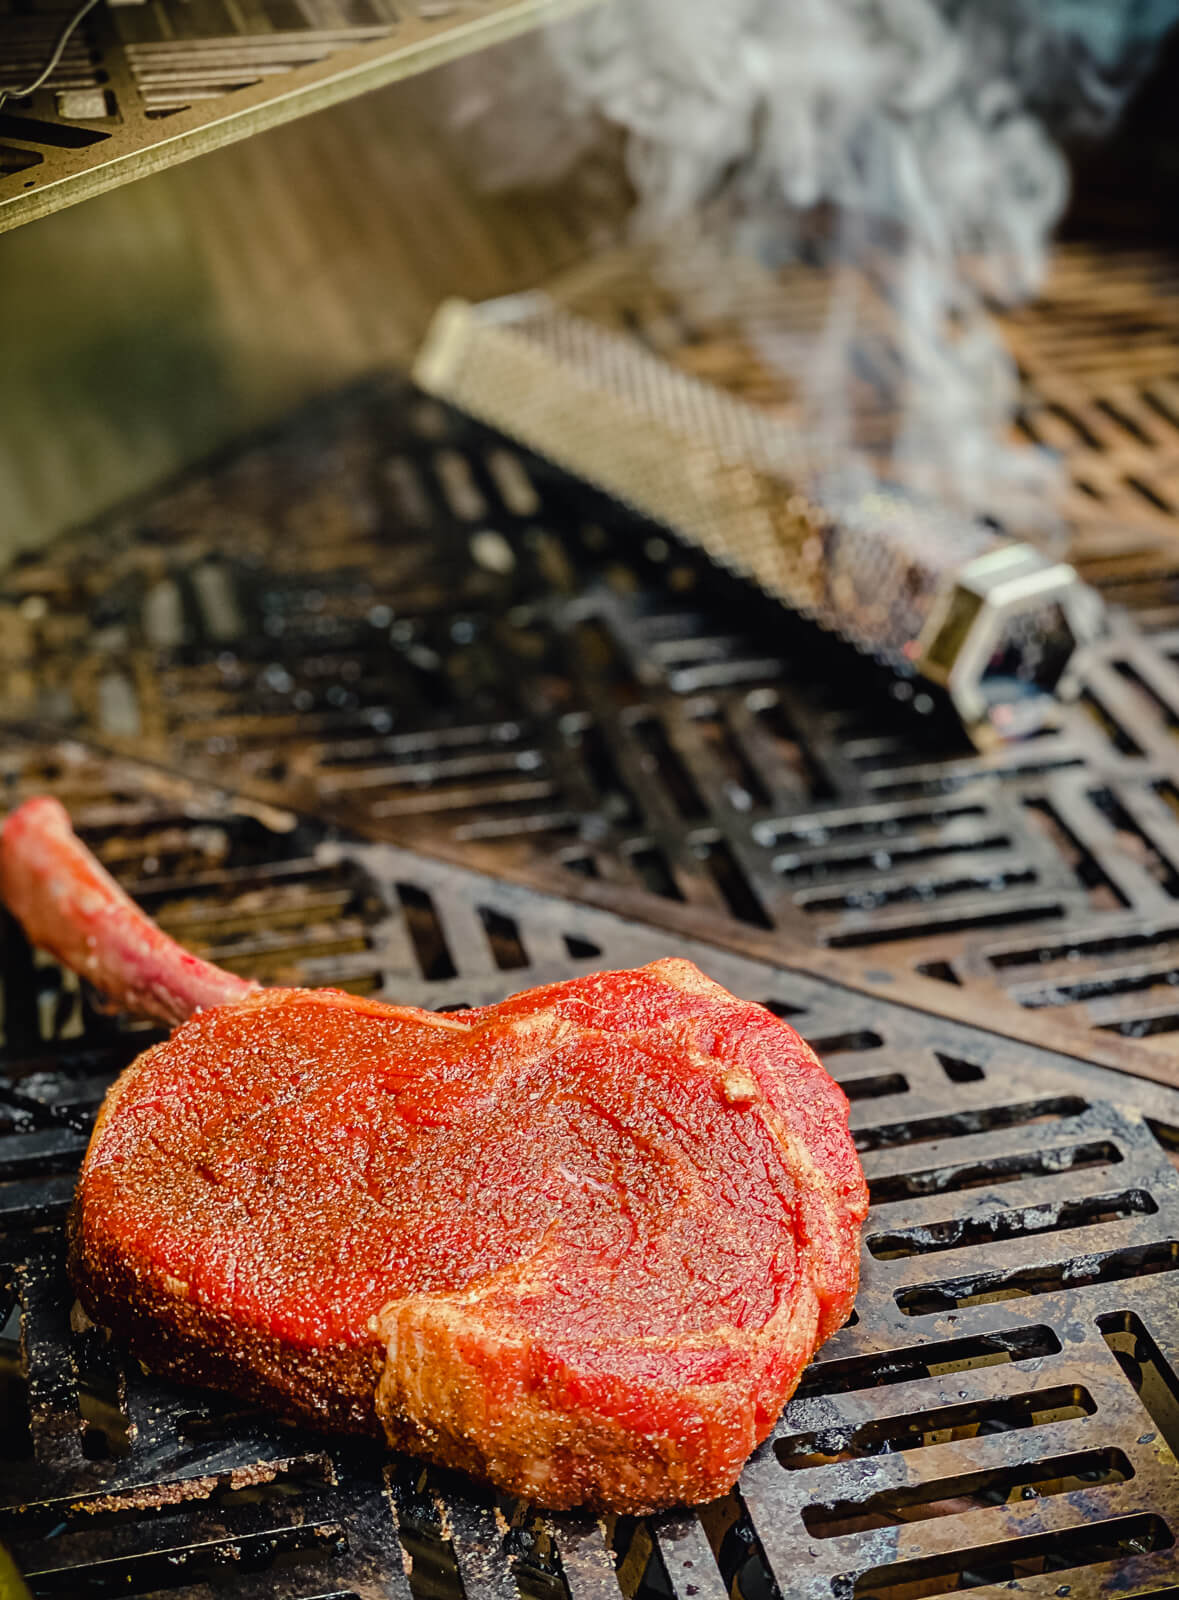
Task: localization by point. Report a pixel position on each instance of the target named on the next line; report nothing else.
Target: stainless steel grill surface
(1000, 1415)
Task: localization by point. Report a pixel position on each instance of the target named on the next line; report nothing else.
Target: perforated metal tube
(921, 587)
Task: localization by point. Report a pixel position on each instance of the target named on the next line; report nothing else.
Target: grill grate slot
(1058, 1552)
(1154, 1379)
(955, 1496)
(923, 1130)
(1038, 1409)
(932, 1237)
(920, 1361)
(1111, 1266)
(992, 1171)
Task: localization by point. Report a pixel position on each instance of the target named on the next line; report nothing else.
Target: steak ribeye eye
(581, 1243)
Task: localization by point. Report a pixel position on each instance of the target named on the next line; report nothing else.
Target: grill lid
(132, 93)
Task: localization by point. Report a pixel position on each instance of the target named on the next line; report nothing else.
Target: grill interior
(1002, 1410)
(374, 700)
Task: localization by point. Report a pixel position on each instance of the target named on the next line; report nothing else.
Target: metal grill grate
(139, 88)
(382, 615)
(1000, 1414)
(1096, 352)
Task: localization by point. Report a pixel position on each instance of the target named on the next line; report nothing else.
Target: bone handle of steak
(70, 905)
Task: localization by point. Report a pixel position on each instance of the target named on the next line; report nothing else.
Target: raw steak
(581, 1243)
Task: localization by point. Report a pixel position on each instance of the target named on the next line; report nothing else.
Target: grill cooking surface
(133, 93)
(382, 615)
(471, 730)
(1003, 1407)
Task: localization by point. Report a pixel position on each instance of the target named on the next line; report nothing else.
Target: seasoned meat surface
(581, 1243)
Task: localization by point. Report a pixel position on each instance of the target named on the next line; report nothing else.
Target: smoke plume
(908, 147)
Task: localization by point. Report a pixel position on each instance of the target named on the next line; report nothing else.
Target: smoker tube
(926, 590)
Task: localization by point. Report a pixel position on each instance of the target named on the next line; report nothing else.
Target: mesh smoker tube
(921, 588)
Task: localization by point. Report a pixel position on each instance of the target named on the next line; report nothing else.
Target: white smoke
(895, 141)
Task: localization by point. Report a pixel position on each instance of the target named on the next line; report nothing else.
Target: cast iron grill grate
(1001, 1414)
(381, 615)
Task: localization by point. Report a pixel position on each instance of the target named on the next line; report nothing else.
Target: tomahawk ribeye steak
(581, 1243)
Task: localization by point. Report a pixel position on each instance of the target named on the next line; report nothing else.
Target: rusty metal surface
(1000, 1415)
(381, 615)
